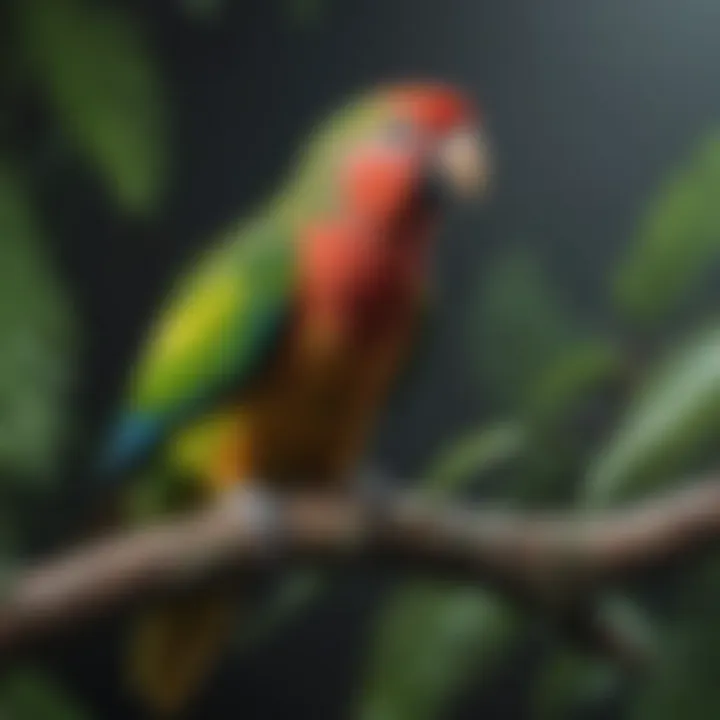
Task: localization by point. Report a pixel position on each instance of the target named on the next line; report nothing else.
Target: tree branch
(553, 561)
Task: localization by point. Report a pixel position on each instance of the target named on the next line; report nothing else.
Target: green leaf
(631, 621)
(579, 372)
(677, 242)
(430, 641)
(29, 695)
(95, 68)
(563, 408)
(431, 638)
(297, 590)
(37, 342)
(570, 681)
(684, 683)
(519, 327)
(474, 455)
(673, 422)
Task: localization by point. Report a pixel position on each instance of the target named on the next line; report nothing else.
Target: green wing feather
(215, 333)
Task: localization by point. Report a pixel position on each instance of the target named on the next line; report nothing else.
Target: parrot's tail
(174, 648)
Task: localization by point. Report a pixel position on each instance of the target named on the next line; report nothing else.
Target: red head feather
(438, 108)
(380, 178)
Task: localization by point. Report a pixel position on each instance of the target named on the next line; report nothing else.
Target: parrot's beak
(464, 162)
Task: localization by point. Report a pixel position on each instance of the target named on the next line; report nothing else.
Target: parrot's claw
(371, 479)
(375, 490)
(259, 509)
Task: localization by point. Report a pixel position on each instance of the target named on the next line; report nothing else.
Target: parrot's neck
(366, 274)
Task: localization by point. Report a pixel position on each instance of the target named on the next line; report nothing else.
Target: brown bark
(556, 562)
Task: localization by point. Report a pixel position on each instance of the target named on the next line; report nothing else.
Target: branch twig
(554, 561)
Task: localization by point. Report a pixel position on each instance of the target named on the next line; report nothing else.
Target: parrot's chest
(309, 415)
(310, 418)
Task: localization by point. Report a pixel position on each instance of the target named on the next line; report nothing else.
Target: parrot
(272, 358)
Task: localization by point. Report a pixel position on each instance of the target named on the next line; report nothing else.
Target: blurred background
(575, 360)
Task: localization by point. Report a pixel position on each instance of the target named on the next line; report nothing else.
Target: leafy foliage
(568, 682)
(535, 364)
(476, 454)
(685, 681)
(518, 327)
(93, 66)
(89, 66)
(678, 241)
(672, 424)
(296, 591)
(37, 365)
(579, 371)
(430, 641)
(432, 638)
(28, 695)
(37, 336)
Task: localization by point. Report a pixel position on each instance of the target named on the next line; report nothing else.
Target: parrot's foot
(376, 492)
(260, 511)
(371, 481)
